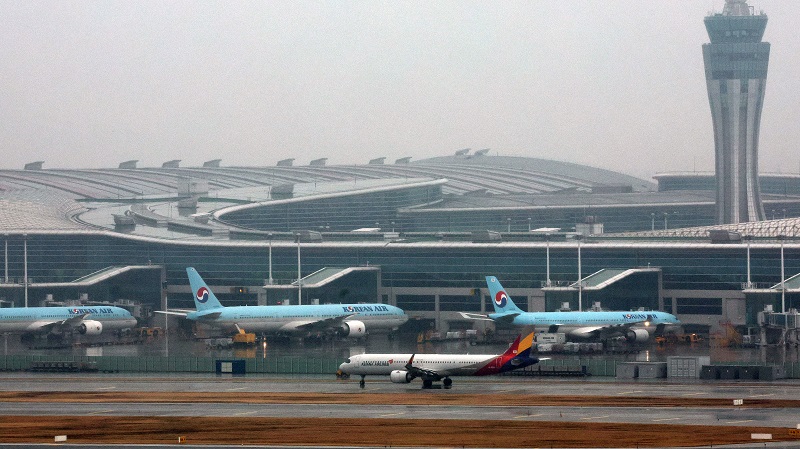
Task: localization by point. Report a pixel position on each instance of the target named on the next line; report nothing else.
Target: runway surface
(512, 387)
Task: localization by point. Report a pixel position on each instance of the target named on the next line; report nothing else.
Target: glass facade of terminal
(430, 267)
(344, 212)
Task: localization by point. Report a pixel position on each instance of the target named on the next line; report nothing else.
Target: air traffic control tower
(736, 74)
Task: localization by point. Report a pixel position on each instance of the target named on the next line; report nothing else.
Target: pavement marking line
(596, 417)
(245, 413)
(761, 395)
(106, 388)
(234, 389)
(695, 394)
(631, 392)
(739, 422)
(100, 411)
(391, 414)
(666, 419)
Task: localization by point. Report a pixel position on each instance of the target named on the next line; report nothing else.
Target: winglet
(410, 361)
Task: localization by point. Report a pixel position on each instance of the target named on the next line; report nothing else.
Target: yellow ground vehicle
(669, 339)
(243, 338)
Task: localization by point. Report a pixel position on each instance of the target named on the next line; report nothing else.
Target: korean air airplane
(403, 368)
(85, 320)
(350, 320)
(634, 326)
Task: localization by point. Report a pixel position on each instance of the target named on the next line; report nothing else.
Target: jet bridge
(85, 281)
(329, 285)
(614, 288)
(108, 285)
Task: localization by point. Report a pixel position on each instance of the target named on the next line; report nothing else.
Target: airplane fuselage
(443, 364)
(290, 318)
(582, 319)
(33, 319)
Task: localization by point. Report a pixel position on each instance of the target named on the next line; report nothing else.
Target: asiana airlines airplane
(403, 368)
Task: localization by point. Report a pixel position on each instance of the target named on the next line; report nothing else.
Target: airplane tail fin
(204, 298)
(513, 350)
(525, 346)
(500, 300)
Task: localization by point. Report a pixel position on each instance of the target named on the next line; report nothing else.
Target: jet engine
(637, 335)
(353, 329)
(90, 327)
(400, 377)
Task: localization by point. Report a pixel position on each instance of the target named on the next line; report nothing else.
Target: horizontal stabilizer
(475, 316)
(171, 312)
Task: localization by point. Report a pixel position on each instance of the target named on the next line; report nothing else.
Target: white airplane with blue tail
(348, 320)
(635, 326)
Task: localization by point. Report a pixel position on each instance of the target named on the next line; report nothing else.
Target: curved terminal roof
(158, 199)
(496, 174)
(37, 210)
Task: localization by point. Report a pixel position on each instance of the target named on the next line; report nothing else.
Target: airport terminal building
(418, 235)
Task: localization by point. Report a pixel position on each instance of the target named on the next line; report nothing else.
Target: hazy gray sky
(617, 84)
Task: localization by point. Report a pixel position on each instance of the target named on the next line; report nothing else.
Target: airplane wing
(475, 316)
(69, 322)
(318, 325)
(604, 332)
(425, 374)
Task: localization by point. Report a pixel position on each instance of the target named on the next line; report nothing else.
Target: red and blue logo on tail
(202, 295)
(517, 356)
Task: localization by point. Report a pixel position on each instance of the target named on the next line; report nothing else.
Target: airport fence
(604, 367)
(272, 365)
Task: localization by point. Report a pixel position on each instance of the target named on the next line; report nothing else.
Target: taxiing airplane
(635, 326)
(403, 368)
(349, 320)
(85, 320)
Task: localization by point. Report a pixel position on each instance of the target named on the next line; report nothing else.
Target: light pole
(547, 239)
(299, 276)
(748, 238)
(783, 277)
(652, 221)
(666, 214)
(269, 236)
(509, 224)
(6, 259)
(529, 224)
(25, 265)
(580, 277)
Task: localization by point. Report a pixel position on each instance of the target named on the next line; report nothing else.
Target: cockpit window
(347, 361)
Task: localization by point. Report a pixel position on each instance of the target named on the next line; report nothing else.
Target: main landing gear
(361, 382)
(447, 383)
